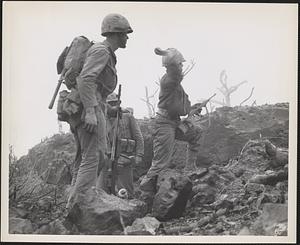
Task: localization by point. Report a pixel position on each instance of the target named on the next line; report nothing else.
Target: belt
(163, 112)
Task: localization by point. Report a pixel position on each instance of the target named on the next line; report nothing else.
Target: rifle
(197, 106)
(114, 150)
(60, 81)
(203, 104)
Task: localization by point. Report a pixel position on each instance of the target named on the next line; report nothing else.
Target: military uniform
(173, 103)
(130, 144)
(97, 79)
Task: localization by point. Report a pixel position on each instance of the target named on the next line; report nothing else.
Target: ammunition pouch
(69, 106)
(124, 160)
(127, 145)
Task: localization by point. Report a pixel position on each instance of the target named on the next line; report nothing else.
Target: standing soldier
(131, 146)
(97, 79)
(173, 103)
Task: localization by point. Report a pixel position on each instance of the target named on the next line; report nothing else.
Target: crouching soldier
(168, 126)
(130, 145)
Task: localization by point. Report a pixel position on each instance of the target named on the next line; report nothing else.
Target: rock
(174, 190)
(205, 220)
(55, 227)
(224, 202)
(232, 127)
(270, 179)
(253, 188)
(219, 227)
(240, 209)
(18, 212)
(269, 198)
(45, 203)
(199, 173)
(20, 226)
(244, 232)
(280, 229)
(278, 155)
(143, 226)
(221, 212)
(272, 215)
(203, 194)
(238, 172)
(177, 230)
(103, 214)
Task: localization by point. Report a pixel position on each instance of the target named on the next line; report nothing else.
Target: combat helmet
(113, 23)
(112, 97)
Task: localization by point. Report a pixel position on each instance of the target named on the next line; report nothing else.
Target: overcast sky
(253, 42)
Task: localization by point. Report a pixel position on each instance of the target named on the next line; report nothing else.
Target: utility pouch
(124, 160)
(69, 105)
(127, 145)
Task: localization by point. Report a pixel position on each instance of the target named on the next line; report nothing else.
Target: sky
(253, 42)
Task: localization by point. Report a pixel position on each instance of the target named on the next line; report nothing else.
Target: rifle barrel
(55, 94)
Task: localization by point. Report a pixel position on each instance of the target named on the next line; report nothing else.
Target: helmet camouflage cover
(112, 97)
(114, 23)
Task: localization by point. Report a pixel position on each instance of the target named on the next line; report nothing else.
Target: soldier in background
(130, 145)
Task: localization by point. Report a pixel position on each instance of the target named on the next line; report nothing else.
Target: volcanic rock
(20, 226)
(143, 226)
(174, 190)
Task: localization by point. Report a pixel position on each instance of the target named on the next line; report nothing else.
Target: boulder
(232, 127)
(18, 212)
(254, 188)
(143, 226)
(279, 155)
(203, 194)
(280, 229)
(272, 215)
(103, 214)
(55, 227)
(270, 179)
(20, 226)
(174, 189)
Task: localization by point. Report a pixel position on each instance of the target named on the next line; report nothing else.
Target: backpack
(71, 60)
(69, 65)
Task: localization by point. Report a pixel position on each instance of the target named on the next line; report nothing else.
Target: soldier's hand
(112, 111)
(195, 111)
(90, 120)
(138, 160)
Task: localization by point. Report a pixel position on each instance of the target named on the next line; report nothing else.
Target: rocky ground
(240, 187)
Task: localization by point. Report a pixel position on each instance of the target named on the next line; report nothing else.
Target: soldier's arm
(94, 64)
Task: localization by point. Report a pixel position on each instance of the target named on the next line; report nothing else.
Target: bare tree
(150, 102)
(247, 97)
(227, 91)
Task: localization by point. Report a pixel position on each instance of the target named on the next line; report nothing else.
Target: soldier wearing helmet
(97, 79)
(173, 103)
(131, 147)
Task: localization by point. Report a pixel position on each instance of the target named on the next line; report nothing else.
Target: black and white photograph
(152, 122)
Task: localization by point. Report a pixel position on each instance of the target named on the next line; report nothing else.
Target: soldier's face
(122, 40)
